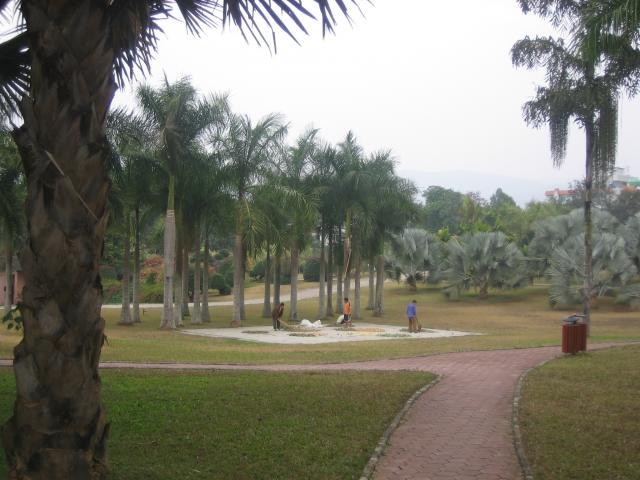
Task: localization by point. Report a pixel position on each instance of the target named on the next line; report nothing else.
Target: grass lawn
(515, 319)
(243, 425)
(579, 416)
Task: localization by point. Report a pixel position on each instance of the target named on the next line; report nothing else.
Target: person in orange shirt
(346, 311)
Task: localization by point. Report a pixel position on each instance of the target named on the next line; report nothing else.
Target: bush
(151, 279)
(311, 270)
(151, 293)
(221, 254)
(218, 282)
(257, 272)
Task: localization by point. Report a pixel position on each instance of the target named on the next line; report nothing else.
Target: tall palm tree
(579, 88)
(62, 68)
(248, 149)
(180, 119)
(299, 201)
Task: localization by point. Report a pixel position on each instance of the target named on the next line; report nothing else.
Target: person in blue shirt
(412, 315)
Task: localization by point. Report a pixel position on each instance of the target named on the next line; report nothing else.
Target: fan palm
(62, 68)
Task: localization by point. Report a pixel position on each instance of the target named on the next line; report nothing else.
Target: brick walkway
(460, 429)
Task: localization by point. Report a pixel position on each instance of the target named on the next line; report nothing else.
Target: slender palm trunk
(238, 276)
(185, 279)
(136, 267)
(588, 227)
(277, 274)
(59, 429)
(322, 305)
(379, 308)
(266, 304)
(177, 307)
(206, 318)
(356, 279)
(295, 263)
(168, 315)
(125, 313)
(329, 311)
(339, 292)
(8, 259)
(371, 295)
(197, 309)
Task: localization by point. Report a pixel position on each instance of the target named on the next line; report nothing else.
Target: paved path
(285, 297)
(460, 429)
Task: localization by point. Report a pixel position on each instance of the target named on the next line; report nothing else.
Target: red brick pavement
(460, 429)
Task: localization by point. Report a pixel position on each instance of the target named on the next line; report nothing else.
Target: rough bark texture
(168, 317)
(136, 268)
(266, 304)
(295, 261)
(277, 272)
(206, 318)
(379, 308)
(238, 287)
(329, 311)
(588, 227)
(371, 295)
(58, 429)
(322, 305)
(125, 312)
(197, 308)
(8, 262)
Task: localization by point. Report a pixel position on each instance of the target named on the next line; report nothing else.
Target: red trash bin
(574, 335)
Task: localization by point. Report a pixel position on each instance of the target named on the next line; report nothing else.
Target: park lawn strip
(579, 416)
(514, 319)
(242, 425)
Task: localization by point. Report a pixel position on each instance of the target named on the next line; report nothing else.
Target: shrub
(257, 272)
(218, 282)
(311, 270)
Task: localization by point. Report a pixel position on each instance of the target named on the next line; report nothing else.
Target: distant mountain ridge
(522, 190)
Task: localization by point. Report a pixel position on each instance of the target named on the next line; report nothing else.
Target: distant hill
(522, 190)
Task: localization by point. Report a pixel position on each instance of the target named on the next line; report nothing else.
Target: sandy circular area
(328, 333)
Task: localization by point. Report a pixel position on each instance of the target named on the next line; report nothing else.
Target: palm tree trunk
(197, 311)
(8, 292)
(329, 311)
(293, 310)
(277, 273)
(136, 268)
(322, 305)
(339, 292)
(59, 428)
(238, 276)
(185, 279)
(266, 304)
(168, 320)
(125, 313)
(206, 318)
(379, 308)
(178, 276)
(588, 226)
(371, 296)
(356, 279)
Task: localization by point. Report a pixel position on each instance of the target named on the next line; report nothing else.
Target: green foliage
(219, 282)
(442, 209)
(481, 261)
(257, 272)
(416, 255)
(311, 270)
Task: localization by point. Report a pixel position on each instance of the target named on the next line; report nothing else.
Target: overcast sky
(430, 80)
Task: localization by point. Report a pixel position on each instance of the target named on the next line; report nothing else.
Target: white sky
(431, 80)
